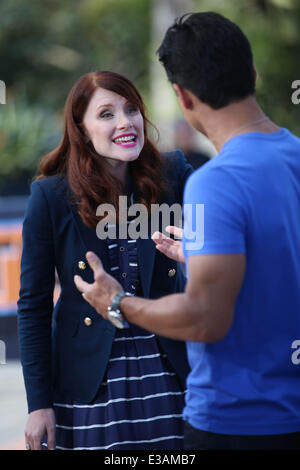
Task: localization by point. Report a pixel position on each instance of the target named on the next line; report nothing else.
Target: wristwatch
(114, 312)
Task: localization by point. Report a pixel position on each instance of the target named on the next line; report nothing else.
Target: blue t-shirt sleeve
(214, 213)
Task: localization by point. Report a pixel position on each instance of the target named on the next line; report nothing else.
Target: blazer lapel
(145, 249)
(90, 240)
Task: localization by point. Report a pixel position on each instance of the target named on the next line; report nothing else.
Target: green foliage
(26, 133)
(45, 46)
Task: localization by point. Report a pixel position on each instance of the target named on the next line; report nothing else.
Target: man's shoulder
(206, 171)
(219, 178)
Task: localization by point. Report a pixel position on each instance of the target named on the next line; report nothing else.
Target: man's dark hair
(210, 56)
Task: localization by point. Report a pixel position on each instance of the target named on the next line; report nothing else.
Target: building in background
(11, 215)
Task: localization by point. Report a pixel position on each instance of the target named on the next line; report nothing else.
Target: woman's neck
(118, 169)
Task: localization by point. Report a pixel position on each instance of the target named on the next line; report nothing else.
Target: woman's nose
(124, 122)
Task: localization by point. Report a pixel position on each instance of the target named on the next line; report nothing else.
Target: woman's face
(115, 126)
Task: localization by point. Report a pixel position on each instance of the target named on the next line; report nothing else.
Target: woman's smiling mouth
(126, 140)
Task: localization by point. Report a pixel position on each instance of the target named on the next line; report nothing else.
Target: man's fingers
(174, 231)
(165, 249)
(96, 266)
(94, 261)
(168, 246)
(164, 241)
(81, 285)
(159, 237)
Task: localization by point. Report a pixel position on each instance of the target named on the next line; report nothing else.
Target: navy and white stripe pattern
(140, 403)
(123, 264)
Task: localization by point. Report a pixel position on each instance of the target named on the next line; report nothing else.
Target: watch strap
(115, 305)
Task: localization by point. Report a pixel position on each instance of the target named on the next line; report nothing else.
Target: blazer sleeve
(35, 304)
(185, 170)
(178, 172)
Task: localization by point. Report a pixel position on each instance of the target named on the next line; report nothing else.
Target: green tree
(45, 46)
(26, 133)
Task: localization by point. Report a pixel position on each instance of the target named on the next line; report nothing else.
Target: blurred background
(45, 46)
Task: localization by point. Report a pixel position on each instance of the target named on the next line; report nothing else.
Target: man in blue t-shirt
(240, 311)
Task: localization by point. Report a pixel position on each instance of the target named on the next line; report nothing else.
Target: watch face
(116, 319)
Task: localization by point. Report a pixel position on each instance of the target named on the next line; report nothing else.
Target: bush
(26, 133)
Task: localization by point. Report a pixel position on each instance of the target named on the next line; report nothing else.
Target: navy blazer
(59, 352)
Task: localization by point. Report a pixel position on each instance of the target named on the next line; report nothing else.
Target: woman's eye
(132, 109)
(106, 114)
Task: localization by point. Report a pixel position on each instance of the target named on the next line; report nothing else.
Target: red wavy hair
(88, 176)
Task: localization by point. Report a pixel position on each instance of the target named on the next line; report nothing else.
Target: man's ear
(184, 97)
(255, 73)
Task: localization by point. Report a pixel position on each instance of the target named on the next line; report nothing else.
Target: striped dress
(139, 405)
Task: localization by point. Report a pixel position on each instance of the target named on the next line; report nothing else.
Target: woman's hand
(40, 423)
(168, 246)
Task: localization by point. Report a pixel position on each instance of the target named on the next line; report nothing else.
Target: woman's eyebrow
(107, 105)
(104, 105)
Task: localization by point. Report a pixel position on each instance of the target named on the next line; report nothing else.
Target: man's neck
(235, 119)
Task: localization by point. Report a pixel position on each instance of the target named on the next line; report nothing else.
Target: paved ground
(13, 406)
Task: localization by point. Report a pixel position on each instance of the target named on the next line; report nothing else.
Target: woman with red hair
(89, 384)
